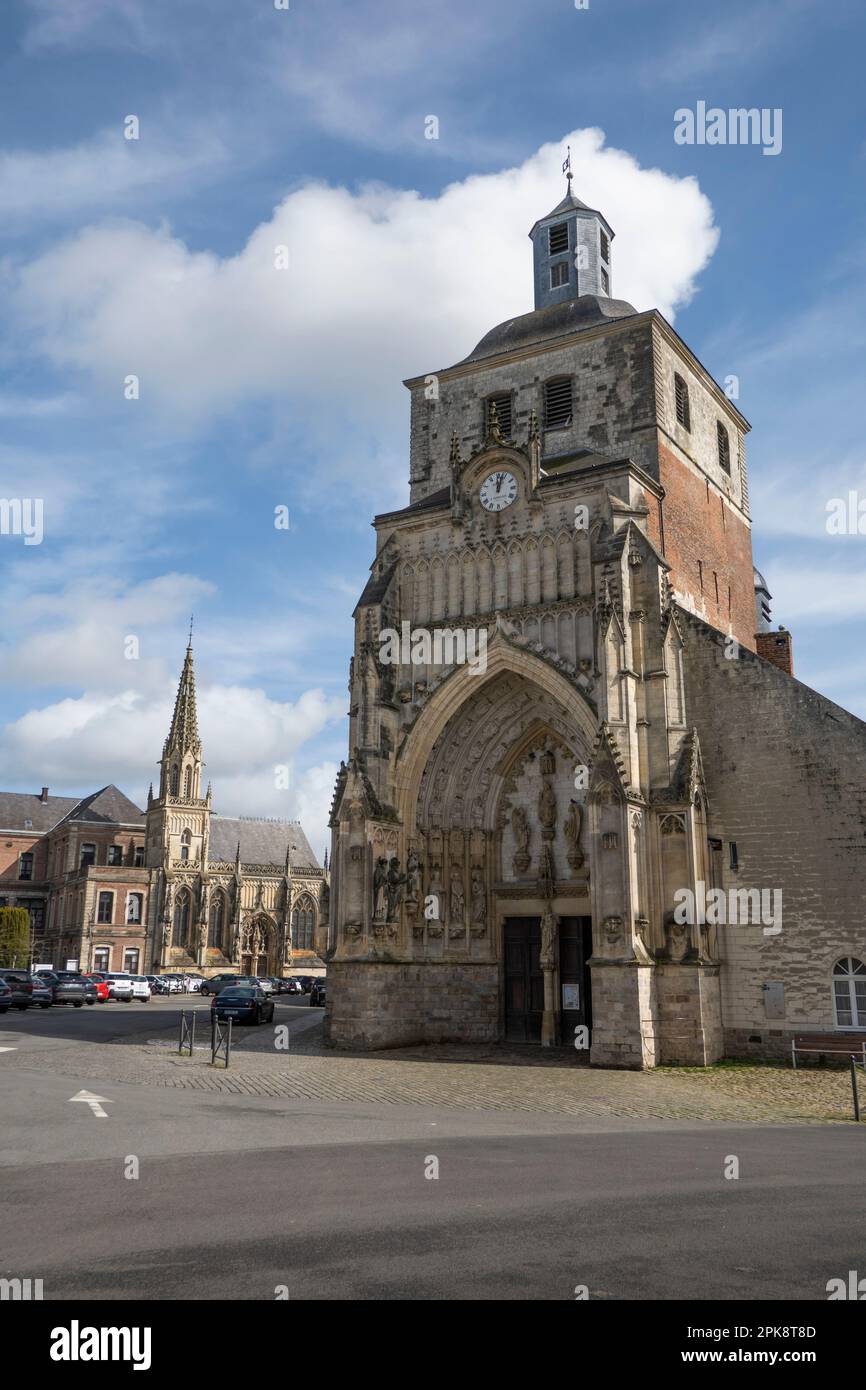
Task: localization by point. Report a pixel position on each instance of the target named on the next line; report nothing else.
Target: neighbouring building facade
(175, 887)
(584, 789)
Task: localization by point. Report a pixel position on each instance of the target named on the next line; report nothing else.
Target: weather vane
(566, 163)
(190, 628)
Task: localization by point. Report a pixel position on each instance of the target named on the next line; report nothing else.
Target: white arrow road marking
(95, 1103)
(8, 1049)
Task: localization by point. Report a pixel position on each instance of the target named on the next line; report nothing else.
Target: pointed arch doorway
(259, 947)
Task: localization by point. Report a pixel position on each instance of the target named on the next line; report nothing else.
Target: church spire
(571, 250)
(181, 755)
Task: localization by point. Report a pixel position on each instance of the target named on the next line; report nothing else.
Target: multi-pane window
(303, 920)
(184, 845)
(724, 446)
(605, 281)
(557, 403)
(849, 992)
(25, 865)
(105, 907)
(115, 855)
(604, 244)
(130, 960)
(502, 402)
(681, 392)
(558, 274)
(558, 238)
(88, 855)
(133, 907)
(102, 958)
(138, 860)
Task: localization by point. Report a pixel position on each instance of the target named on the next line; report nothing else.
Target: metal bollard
(854, 1088)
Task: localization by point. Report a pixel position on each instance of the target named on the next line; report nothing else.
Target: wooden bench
(829, 1045)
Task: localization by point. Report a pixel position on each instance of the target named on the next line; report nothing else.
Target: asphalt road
(238, 1196)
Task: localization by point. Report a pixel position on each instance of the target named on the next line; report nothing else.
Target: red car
(102, 991)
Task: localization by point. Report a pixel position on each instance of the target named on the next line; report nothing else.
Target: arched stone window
(303, 924)
(187, 783)
(184, 845)
(849, 992)
(182, 916)
(173, 782)
(217, 921)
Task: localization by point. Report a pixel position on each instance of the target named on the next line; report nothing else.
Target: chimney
(778, 648)
(44, 795)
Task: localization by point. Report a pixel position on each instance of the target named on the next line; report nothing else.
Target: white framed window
(849, 993)
(130, 960)
(184, 845)
(102, 959)
(558, 274)
(133, 907)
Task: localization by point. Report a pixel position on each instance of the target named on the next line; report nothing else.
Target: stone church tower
(561, 728)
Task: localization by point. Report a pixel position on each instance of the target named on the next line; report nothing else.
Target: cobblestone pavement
(478, 1079)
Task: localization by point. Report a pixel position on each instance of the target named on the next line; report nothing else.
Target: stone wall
(786, 779)
(375, 1004)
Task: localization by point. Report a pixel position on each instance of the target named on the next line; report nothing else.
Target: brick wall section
(777, 648)
(786, 778)
(707, 540)
(376, 1004)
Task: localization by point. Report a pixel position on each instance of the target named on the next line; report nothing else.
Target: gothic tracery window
(303, 923)
(173, 782)
(187, 783)
(182, 916)
(216, 922)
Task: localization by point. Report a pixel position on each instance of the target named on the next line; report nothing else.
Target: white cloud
(381, 283)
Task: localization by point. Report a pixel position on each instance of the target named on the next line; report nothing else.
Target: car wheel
(90, 1001)
(78, 1003)
(4, 1009)
(45, 1006)
(20, 1007)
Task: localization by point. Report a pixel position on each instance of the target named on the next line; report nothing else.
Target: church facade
(174, 888)
(586, 801)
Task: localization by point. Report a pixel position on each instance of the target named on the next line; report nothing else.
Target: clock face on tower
(498, 491)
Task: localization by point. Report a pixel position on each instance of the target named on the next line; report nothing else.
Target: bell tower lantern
(571, 251)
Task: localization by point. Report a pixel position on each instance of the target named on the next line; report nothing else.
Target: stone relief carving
(572, 828)
(396, 882)
(520, 830)
(547, 811)
(547, 954)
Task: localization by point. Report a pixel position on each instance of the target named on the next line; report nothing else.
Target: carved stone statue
(202, 935)
(520, 830)
(458, 897)
(572, 827)
(380, 884)
(547, 811)
(396, 880)
(166, 933)
(547, 954)
(413, 876)
(479, 900)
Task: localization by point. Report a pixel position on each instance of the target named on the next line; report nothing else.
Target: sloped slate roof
(18, 807)
(108, 807)
(547, 325)
(262, 841)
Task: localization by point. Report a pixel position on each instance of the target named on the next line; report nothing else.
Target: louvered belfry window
(558, 238)
(724, 446)
(502, 401)
(604, 245)
(682, 395)
(557, 403)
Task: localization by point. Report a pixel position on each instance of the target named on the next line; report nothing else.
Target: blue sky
(260, 387)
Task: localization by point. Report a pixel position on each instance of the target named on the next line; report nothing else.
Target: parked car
(141, 988)
(120, 986)
(290, 986)
(5, 997)
(193, 983)
(317, 994)
(66, 986)
(103, 993)
(174, 983)
(306, 982)
(21, 984)
(266, 983)
(244, 1004)
(158, 985)
(41, 992)
(218, 982)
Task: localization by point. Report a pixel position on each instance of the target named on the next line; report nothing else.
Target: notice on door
(571, 999)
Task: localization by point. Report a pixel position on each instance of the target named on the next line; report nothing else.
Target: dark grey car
(66, 988)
